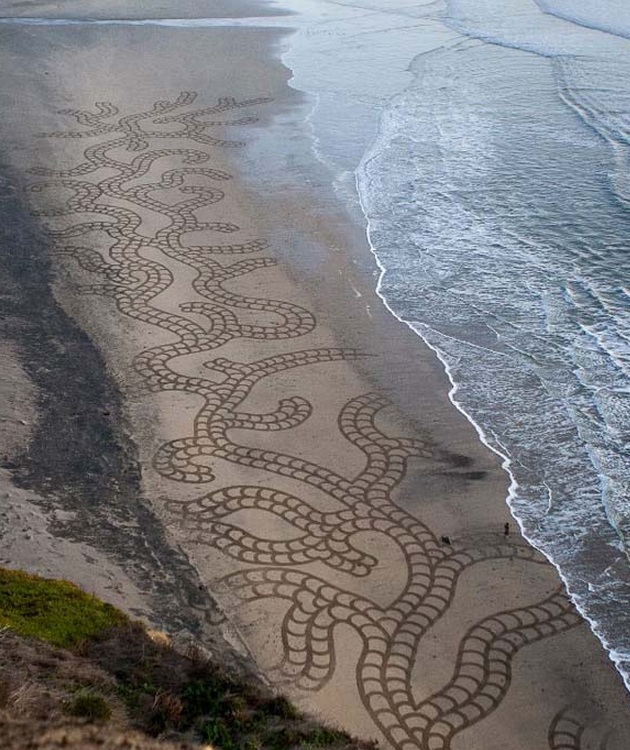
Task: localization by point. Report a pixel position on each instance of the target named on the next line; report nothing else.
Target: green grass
(54, 611)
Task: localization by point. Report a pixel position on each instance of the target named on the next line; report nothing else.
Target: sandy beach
(306, 488)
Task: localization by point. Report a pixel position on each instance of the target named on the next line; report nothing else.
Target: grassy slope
(166, 692)
(54, 611)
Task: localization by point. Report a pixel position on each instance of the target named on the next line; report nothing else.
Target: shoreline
(600, 604)
(442, 374)
(506, 463)
(308, 438)
(573, 572)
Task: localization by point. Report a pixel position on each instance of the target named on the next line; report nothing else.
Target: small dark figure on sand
(445, 539)
(506, 529)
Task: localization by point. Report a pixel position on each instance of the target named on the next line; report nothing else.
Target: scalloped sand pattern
(317, 570)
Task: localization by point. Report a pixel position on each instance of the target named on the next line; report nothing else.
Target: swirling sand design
(108, 193)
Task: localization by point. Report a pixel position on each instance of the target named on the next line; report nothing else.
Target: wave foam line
(580, 17)
(617, 658)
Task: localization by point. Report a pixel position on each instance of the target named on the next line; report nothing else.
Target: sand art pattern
(106, 196)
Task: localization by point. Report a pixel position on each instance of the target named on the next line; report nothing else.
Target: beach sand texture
(297, 443)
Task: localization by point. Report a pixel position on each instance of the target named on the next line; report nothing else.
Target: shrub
(324, 737)
(281, 707)
(88, 705)
(165, 712)
(217, 732)
(5, 691)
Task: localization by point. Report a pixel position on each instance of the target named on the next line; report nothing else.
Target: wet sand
(301, 464)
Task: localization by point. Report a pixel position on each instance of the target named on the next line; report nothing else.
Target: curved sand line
(314, 564)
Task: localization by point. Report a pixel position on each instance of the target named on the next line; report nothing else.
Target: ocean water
(485, 144)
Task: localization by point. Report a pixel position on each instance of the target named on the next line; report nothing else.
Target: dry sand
(296, 442)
